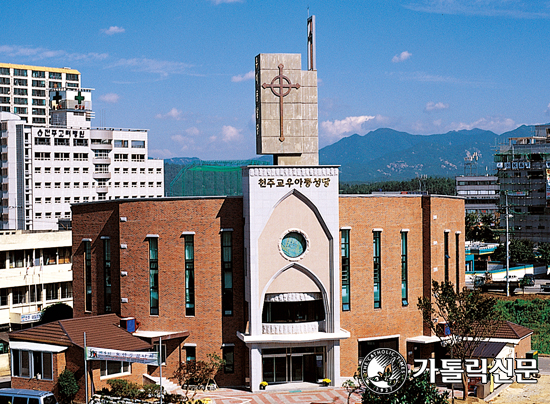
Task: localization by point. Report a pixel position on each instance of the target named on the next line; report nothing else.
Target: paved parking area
(321, 395)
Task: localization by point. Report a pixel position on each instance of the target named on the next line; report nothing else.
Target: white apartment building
(45, 169)
(35, 272)
(24, 90)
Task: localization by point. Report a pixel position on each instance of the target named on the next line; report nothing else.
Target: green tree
(544, 253)
(57, 311)
(521, 250)
(198, 373)
(415, 390)
(480, 228)
(469, 316)
(68, 387)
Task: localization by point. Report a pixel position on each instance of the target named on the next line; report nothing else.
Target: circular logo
(384, 371)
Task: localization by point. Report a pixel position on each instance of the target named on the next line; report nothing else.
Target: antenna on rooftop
(311, 42)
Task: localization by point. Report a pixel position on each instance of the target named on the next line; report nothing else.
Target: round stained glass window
(293, 244)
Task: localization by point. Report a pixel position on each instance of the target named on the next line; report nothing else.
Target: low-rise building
(35, 272)
(480, 192)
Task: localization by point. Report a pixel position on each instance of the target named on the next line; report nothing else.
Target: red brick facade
(425, 219)
(128, 223)
(167, 219)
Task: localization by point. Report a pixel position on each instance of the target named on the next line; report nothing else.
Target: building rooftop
(41, 68)
(101, 332)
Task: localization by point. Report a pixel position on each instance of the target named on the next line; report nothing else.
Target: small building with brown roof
(516, 336)
(40, 354)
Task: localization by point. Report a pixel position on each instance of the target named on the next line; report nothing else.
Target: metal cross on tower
(284, 86)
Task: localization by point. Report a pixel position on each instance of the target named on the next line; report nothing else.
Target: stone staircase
(167, 385)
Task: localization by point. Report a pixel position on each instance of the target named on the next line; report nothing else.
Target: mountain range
(386, 154)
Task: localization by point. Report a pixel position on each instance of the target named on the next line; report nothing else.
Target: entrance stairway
(167, 385)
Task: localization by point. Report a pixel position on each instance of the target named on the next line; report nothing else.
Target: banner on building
(102, 354)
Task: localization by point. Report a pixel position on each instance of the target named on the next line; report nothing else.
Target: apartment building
(24, 90)
(35, 272)
(45, 169)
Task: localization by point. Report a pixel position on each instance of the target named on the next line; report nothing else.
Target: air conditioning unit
(128, 323)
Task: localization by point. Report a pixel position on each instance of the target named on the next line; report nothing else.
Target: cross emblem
(283, 91)
(79, 98)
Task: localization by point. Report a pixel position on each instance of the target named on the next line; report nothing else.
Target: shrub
(68, 387)
(123, 388)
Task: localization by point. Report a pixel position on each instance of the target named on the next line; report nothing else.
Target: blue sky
(182, 69)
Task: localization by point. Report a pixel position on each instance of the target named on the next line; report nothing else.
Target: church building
(290, 282)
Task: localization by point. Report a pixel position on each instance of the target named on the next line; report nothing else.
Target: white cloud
(185, 142)
(161, 153)
(432, 106)
(489, 8)
(162, 67)
(243, 77)
(43, 53)
(547, 112)
(111, 98)
(174, 113)
(193, 131)
(113, 30)
(401, 57)
(231, 134)
(493, 123)
(349, 124)
(332, 131)
(216, 2)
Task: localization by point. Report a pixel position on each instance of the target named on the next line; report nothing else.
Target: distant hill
(387, 154)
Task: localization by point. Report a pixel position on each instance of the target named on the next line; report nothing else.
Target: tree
(57, 311)
(68, 387)
(469, 316)
(544, 253)
(416, 390)
(521, 250)
(198, 373)
(480, 228)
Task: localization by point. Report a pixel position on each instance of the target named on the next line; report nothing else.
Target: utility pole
(507, 249)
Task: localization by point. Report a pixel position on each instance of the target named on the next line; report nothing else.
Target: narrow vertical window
(457, 258)
(88, 274)
(107, 273)
(345, 271)
(229, 358)
(404, 269)
(377, 269)
(190, 353)
(447, 256)
(189, 276)
(154, 275)
(227, 273)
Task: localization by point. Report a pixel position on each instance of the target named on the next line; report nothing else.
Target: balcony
(101, 160)
(294, 328)
(101, 146)
(100, 175)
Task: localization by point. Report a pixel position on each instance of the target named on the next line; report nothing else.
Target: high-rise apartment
(24, 90)
(46, 168)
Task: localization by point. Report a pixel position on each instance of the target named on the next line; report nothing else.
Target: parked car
(23, 396)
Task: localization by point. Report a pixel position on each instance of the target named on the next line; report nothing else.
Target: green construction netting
(211, 178)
